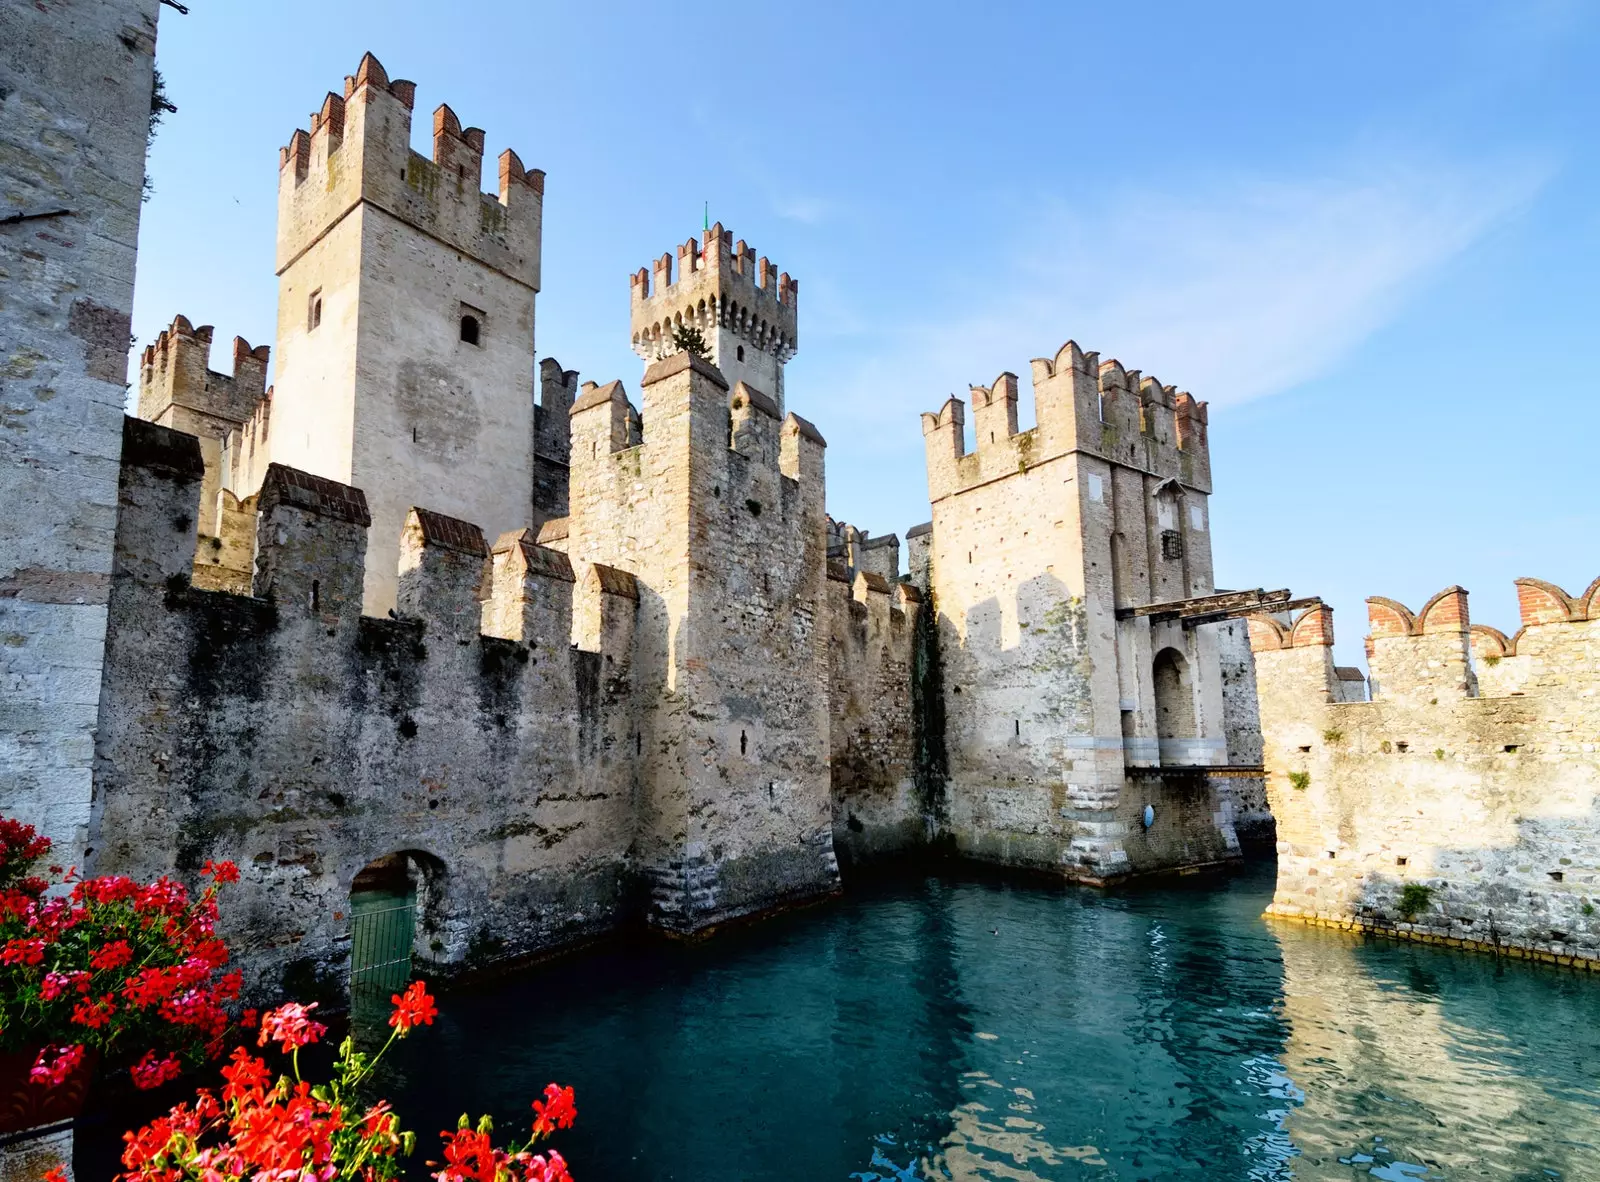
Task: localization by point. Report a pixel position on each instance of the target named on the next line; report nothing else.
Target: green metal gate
(383, 927)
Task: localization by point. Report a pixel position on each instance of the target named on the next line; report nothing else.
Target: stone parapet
(1457, 805)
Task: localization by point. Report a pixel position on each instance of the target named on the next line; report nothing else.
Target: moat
(959, 1028)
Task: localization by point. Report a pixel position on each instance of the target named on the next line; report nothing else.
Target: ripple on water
(946, 1029)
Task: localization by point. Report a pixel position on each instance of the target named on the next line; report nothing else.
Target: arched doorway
(389, 902)
(1174, 695)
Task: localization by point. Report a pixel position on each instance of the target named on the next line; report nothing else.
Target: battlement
(174, 371)
(358, 150)
(740, 303)
(1082, 404)
(858, 551)
(1312, 628)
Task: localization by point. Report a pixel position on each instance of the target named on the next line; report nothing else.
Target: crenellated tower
(179, 389)
(713, 500)
(1066, 696)
(406, 316)
(743, 307)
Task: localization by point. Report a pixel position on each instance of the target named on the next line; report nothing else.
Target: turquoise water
(944, 1028)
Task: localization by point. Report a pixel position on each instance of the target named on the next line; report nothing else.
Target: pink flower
(55, 1064)
(291, 1025)
(150, 1072)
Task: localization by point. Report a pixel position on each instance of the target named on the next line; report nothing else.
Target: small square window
(314, 310)
(1171, 544)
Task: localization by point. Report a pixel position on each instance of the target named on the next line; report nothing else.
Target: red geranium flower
(220, 872)
(94, 1014)
(556, 1111)
(413, 1008)
(27, 951)
(112, 956)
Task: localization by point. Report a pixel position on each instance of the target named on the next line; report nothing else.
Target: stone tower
(405, 317)
(179, 389)
(1066, 711)
(741, 305)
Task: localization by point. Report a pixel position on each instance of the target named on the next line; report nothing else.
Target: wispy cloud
(1235, 289)
(810, 211)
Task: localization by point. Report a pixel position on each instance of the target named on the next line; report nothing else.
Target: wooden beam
(1288, 605)
(1243, 601)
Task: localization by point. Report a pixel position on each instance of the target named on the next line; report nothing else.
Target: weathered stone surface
(74, 103)
(305, 741)
(1038, 536)
(1486, 802)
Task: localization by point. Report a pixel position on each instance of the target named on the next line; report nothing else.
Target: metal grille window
(1171, 544)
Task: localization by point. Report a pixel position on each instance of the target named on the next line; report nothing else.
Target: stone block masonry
(1458, 805)
(290, 733)
(75, 93)
(878, 805)
(1060, 717)
(716, 508)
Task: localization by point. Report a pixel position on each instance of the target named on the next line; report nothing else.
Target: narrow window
(469, 329)
(1019, 726)
(315, 588)
(743, 743)
(314, 310)
(741, 353)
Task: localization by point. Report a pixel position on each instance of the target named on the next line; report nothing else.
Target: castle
(540, 668)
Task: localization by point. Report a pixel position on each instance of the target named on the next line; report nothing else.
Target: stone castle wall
(290, 733)
(1485, 801)
(878, 807)
(1241, 718)
(75, 95)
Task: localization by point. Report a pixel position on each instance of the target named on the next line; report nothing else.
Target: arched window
(741, 353)
(469, 329)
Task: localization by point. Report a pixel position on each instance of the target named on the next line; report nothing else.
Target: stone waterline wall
(288, 732)
(1487, 802)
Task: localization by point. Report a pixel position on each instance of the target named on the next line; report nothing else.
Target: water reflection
(1418, 1064)
(957, 1030)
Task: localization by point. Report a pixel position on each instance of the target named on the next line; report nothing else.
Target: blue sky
(1367, 233)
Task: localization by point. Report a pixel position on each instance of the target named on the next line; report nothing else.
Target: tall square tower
(1078, 731)
(405, 317)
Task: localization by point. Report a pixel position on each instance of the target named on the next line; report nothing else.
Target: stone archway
(1174, 690)
(395, 902)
